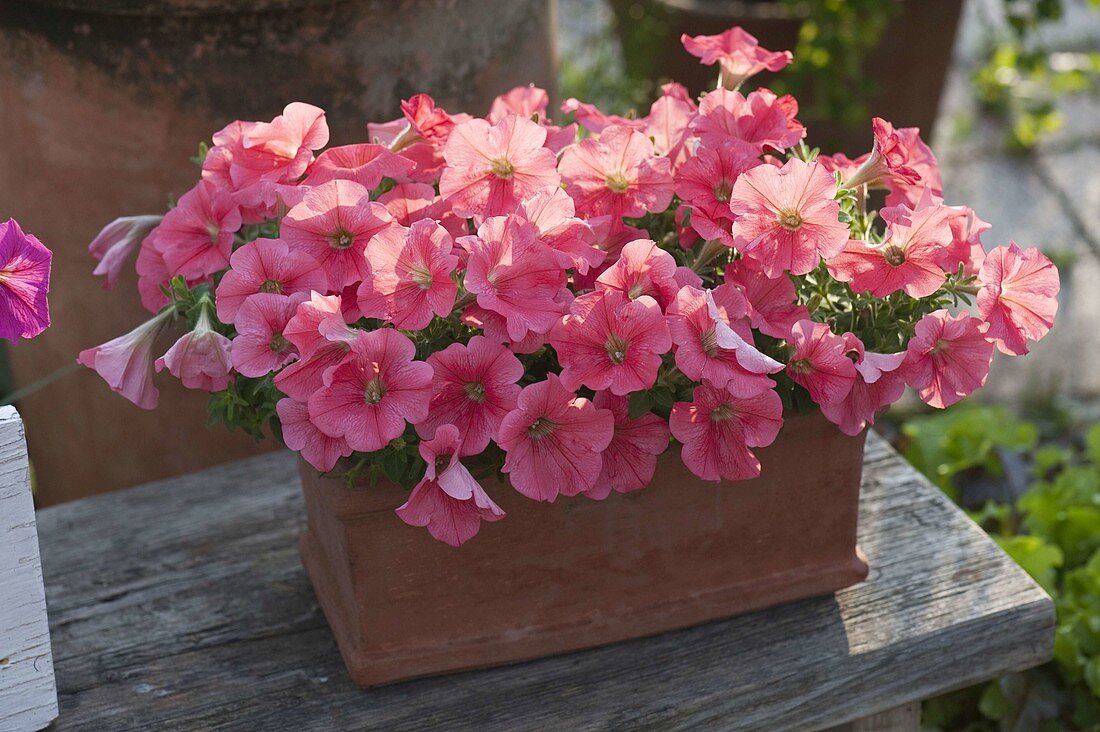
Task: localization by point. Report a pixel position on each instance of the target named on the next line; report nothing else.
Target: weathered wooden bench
(183, 605)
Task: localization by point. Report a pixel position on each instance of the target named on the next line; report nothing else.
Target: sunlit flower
(551, 212)
(878, 384)
(643, 268)
(706, 181)
(260, 346)
(820, 363)
(760, 120)
(772, 302)
(616, 174)
(737, 53)
(492, 168)
(786, 218)
(1018, 296)
(266, 265)
(366, 164)
(410, 275)
(553, 440)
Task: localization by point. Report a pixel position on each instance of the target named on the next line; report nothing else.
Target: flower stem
(34, 386)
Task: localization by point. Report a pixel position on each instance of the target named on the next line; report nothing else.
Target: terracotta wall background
(103, 101)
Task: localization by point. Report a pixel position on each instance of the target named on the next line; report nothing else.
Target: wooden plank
(183, 605)
(905, 718)
(28, 695)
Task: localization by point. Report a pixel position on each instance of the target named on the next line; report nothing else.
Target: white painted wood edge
(28, 691)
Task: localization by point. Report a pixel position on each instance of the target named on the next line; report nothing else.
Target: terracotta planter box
(578, 573)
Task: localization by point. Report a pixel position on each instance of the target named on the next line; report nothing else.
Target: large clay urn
(102, 102)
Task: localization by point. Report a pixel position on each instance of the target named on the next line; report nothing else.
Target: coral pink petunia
(553, 440)
(631, 459)
(761, 120)
(669, 124)
(608, 341)
(514, 275)
(1018, 296)
(737, 53)
(196, 237)
(947, 358)
(410, 275)
(266, 265)
(260, 346)
(616, 174)
(368, 398)
(411, 202)
(595, 121)
(333, 224)
(448, 501)
(201, 358)
(24, 283)
(643, 268)
(820, 362)
(112, 246)
(495, 328)
(126, 363)
(923, 162)
(966, 248)
(786, 218)
(302, 436)
(525, 101)
(911, 258)
(366, 164)
(878, 384)
(717, 429)
(714, 343)
(474, 385)
(318, 332)
(152, 274)
(551, 211)
(900, 161)
(492, 168)
(706, 181)
(772, 302)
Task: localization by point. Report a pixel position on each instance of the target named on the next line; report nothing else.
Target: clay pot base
(578, 573)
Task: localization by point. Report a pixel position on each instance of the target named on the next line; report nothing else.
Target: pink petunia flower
(966, 241)
(492, 168)
(911, 258)
(714, 343)
(449, 501)
(551, 212)
(706, 181)
(1018, 296)
(607, 341)
(126, 363)
(514, 275)
(473, 387)
(631, 459)
(266, 265)
(737, 53)
(616, 174)
(113, 245)
(333, 224)
(947, 358)
(924, 163)
(772, 301)
(595, 121)
(302, 436)
(366, 164)
(531, 102)
(410, 275)
(841, 163)
(152, 274)
(761, 120)
(786, 218)
(878, 384)
(495, 327)
(643, 268)
(411, 202)
(246, 154)
(260, 346)
(24, 283)
(900, 161)
(196, 237)
(201, 358)
(669, 124)
(820, 362)
(322, 339)
(369, 397)
(717, 429)
(553, 440)
(419, 135)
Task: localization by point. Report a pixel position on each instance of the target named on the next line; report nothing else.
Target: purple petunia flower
(24, 282)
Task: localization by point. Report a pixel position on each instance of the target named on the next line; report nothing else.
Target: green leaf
(640, 403)
(1039, 559)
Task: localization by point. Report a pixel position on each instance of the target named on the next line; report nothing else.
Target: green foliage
(1053, 532)
(1022, 82)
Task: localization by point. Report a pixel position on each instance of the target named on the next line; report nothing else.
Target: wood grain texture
(182, 605)
(28, 694)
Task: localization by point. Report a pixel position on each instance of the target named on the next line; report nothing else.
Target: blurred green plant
(1021, 81)
(1053, 531)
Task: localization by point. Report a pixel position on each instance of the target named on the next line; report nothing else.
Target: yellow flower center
(618, 183)
(790, 220)
(272, 286)
(723, 190)
(375, 391)
(895, 255)
(616, 348)
(501, 168)
(278, 343)
(341, 239)
(475, 391)
(542, 427)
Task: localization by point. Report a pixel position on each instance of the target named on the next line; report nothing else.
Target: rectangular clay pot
(578, 573)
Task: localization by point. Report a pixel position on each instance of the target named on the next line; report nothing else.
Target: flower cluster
(558, 304)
